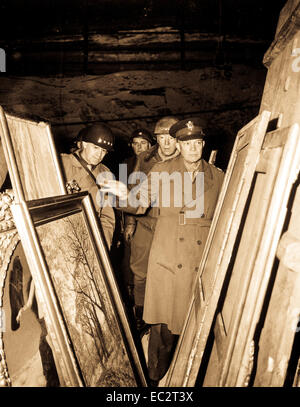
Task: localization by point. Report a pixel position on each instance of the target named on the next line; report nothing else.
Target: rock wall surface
(130, 99)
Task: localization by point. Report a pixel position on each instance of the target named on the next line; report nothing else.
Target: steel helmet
(142, 133)
(163, 125)
(99, 134)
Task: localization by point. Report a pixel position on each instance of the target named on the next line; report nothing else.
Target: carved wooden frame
(12, 239)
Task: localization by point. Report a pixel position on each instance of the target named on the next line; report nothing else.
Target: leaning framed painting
(76, 293)
(31, 158)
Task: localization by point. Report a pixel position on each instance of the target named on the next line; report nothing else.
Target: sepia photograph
(149, 196)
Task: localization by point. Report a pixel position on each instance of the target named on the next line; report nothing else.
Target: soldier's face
(139, 145)
(92, 153)
(167, 144)
(191, 150)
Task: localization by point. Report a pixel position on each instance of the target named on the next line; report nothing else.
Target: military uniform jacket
(73, 170)
(178, 244)
(146, 160)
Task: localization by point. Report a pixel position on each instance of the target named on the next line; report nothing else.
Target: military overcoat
(145, 225)
(178, 240)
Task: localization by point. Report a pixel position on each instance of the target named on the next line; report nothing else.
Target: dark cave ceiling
(243, 18)
(103, 36)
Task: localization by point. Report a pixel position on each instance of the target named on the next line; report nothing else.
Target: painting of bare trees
(85, 303)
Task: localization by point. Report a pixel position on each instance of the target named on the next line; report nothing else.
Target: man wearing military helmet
(83, 166)
(140, 141)
(164, 149)
(178, 240)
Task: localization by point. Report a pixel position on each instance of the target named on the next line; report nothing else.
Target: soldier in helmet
(164, 149)
(140, 141)
(83, 166)
(179, 237)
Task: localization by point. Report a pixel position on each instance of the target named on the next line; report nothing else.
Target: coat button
(199, 242)
(179, 266)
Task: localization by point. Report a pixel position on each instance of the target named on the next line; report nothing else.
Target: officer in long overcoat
(164, 149)
(183, 194)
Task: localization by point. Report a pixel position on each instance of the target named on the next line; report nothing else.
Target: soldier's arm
(107, 219)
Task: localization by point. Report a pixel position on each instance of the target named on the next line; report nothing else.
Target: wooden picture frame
(77, 294)
(31, 158)
(217, 253)
(276, 171)
(41, 203)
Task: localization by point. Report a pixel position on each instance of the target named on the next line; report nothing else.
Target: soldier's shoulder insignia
(218, 168)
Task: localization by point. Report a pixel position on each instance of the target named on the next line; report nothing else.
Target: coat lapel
(208, 181)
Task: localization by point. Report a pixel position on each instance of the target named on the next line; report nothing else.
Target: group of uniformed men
(164, 235)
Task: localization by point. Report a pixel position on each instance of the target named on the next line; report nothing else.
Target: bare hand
(20, 313)
(114, 187)
(128, 232)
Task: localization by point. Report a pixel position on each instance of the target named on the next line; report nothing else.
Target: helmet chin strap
(91, 167)
(167, 157)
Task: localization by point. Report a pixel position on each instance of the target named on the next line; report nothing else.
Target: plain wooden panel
(283, 313)
(31, 158)
(285, 14)
(244, 263)
(3, 166)
(35, 158)
(282, 87)
(288, 26)
(281, 97)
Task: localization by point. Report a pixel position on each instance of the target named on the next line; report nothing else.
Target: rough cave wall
(130, 99)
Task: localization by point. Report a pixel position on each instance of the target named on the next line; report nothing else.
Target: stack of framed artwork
(242, 328)
(78, 305)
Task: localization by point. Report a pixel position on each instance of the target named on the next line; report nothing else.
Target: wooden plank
(282, 87)
(288, 252)
(253, 264)
(283, 313)
(221, 238)
(286, 32)
(285, 14)
(220, 335)
(3, 166)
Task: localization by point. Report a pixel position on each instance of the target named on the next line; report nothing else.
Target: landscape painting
(86, 306)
